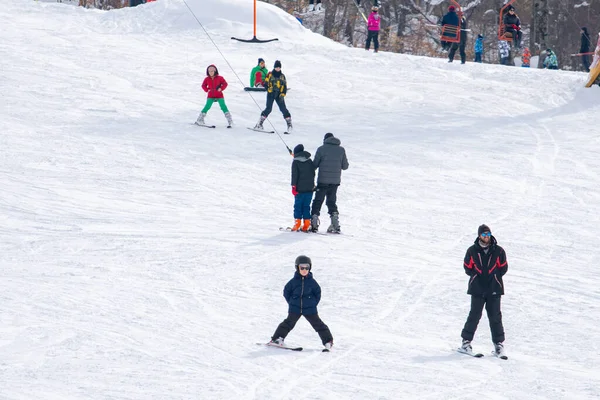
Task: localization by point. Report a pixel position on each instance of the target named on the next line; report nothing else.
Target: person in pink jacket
(373, 27)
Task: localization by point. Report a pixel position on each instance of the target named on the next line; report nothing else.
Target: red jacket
(210, 85)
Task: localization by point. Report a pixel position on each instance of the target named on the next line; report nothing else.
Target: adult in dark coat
(302, 294)
(330, 159)
(451, 18)
(303, 186)
(585, 48)
(512, 24)
(485, 263)
(462, 45)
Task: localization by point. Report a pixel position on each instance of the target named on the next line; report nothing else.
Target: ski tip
(325, 351)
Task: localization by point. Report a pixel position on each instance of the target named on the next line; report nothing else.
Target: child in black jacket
(303, 294)
(303, 185)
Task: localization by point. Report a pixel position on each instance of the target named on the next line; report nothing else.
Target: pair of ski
(286, 347)
(208, 126)
(264, 131)
(479, 355)
(288, 229)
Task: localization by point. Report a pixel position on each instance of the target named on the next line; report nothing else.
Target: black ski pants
(329, 191)
(461, 47)
(492, 306)
(280, 103)
(314, 320)
(374, 36)
(585, 61)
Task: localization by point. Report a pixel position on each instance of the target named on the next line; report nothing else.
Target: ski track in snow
(141, 255)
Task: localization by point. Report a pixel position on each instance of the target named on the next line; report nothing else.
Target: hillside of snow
(141, 256)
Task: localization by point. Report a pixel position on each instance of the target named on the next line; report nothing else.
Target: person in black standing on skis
(451, 18)
(302, 294)
(330, 159)
(276, 85)
(462, 45)
(485, 263)
(585, 48)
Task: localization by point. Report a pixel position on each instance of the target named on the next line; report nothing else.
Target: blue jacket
(479, 45)
(302, 294)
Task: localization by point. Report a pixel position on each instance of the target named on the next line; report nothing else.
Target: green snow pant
(209, 103)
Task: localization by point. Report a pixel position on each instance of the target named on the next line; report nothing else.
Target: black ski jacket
(303, 172)
(485, 270)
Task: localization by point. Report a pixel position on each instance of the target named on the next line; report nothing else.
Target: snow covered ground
(141, 257)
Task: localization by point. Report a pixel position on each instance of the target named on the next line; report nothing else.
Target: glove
(294, 191)
(515, 27)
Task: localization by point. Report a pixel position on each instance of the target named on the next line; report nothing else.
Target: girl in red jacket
(214, 84)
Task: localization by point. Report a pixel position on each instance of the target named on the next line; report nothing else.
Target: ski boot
(277, 342)
(335, 223)
(296, 226)
(229, 119)
(499, 350)
(306, 226)
(259, 124)
(314, 223)
(466, 346)
(288, 120)
(200, 120)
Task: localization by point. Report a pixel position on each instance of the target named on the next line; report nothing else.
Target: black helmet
(303, 260)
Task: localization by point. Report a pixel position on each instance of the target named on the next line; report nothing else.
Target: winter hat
(480, 36)
(327, 135)
(303, 260)
(483, 228)
(260, 60)
(510, 8)
(277, 64)
(451, 8)
(299, 149)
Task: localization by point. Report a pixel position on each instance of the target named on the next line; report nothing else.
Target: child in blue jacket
(302, 294)
(479, 48)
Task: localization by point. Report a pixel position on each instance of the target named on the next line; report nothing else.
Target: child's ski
(279, 346)
(204, 125)
(502, 357)
(469, 353)
(261, 130)
(289, 229)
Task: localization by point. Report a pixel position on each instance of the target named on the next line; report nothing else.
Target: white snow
(141, 257)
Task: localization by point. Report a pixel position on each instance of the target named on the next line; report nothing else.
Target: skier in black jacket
(302, 294)
(303, 186)
(485, 263)
(585, 48)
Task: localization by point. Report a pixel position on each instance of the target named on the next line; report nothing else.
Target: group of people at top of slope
(512, 28)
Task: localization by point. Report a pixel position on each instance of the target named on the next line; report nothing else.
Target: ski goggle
(305, 267)
(485, 234)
